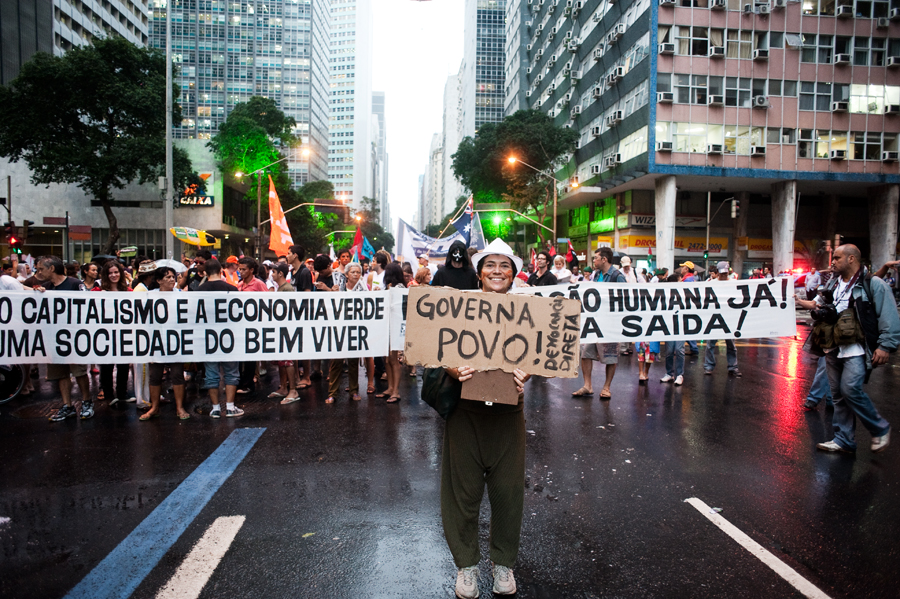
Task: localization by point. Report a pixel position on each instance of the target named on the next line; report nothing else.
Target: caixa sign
(192, 200)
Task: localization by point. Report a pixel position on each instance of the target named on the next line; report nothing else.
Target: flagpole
(453, 218)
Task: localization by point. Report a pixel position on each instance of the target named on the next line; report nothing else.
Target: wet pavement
(341, 500)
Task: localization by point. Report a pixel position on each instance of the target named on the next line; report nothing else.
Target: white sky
(417, 45)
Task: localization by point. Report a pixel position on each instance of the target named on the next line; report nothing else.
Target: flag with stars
(464, 223)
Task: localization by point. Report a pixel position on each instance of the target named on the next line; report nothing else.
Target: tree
(250, 137)
(94, 117)
(370, 223)
(482, 163)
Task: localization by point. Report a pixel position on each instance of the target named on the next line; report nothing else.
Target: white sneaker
(679, 380)
(833, 447)
(504, 582)
(667, 379)
(467, 582)
(879, 443)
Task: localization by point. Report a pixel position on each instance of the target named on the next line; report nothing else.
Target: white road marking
(196, 569)
(780, 568)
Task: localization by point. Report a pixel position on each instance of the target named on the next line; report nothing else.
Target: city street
(342, 500)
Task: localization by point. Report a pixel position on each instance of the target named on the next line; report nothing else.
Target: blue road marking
(120, 573)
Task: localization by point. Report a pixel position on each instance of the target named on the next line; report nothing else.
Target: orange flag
(280, 239)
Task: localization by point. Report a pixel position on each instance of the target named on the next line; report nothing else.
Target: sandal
(329, 400)
(370, 389)
(276, 395)
(355, 397)
(583, 392)
(605, 394)
(393, 399)
(147, 416)
(184, 416)
(381, 395)
(289, 400)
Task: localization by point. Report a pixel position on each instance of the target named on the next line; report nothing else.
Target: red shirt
(255, 285)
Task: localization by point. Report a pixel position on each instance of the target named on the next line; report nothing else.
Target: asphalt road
(341, 500)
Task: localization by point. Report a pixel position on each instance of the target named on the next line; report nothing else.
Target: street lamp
(574, 183)
(305, 152)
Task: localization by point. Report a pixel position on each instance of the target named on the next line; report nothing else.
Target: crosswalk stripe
(196, 569)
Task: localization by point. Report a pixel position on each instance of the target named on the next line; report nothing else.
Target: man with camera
(857, 327)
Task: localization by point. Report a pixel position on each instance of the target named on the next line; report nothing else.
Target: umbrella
(175, 265)
(193, 236)
(103, 258)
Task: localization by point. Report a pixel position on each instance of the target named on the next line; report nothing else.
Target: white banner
(614, 312)
(106, 328)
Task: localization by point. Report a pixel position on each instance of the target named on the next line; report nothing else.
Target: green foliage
(250, 137)
(94, 117)
(482, 163)
(371, 225)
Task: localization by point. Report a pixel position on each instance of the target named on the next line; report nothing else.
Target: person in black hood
(457, 271)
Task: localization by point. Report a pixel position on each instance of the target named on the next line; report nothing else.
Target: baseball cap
(232, 260)
(626, 261)
(722, 267)
(687, 263)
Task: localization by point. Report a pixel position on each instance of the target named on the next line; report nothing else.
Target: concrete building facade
(381, 160)
(54, 26)
(792, 109)
(350, 155)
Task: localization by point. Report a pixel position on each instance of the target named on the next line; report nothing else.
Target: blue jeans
(232, 374)
(730, 352)
(820, 385)
(693, 346)
(675, 358)
(846, 376)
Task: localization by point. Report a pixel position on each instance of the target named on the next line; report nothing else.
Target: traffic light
(735, 208)
(705, 254)
(25, 226)
(15, 245)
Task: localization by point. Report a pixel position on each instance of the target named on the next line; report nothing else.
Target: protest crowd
(844, 356)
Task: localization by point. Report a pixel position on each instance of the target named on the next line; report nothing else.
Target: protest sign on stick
(492, 331)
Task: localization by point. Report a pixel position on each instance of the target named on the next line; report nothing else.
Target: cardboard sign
(493, 331)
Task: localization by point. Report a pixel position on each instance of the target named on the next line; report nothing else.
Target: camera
(826, 312)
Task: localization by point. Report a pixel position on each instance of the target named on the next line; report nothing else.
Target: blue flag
(367, 249)
(464, 223)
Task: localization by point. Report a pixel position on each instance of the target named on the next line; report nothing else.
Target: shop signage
(649, 220)
(578, 230)
(197, 201)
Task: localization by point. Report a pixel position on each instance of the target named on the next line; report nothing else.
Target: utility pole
(170, 184)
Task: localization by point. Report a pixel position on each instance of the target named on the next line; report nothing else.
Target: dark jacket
(876, 314)
(463, 278)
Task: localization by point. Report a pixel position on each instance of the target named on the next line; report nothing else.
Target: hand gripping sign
(492, 331)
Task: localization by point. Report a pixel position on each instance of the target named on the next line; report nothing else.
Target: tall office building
(381, 160)
(518, 37)
(230, 51)
(782, 106)
(450, 142)
(350, 156)
(482, 86)
(54, 26)
(433, 184)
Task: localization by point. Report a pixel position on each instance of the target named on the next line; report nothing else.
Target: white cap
(497, 247)
(626, 261)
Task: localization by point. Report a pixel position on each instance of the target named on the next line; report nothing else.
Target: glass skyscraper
(230, 50)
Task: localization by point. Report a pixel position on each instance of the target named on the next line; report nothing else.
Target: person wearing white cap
(484, 444)
(630, 276)
(709, 364)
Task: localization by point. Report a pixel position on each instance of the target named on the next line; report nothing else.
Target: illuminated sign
(192, 200)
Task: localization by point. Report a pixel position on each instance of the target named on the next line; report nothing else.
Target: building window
(690, 89)
(817, 48)
(737, 92)
(866, 145)
(739, 139)
(692, 41)
(740, 44)
(815, 96)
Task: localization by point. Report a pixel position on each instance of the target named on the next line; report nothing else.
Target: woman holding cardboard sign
(484, 444)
